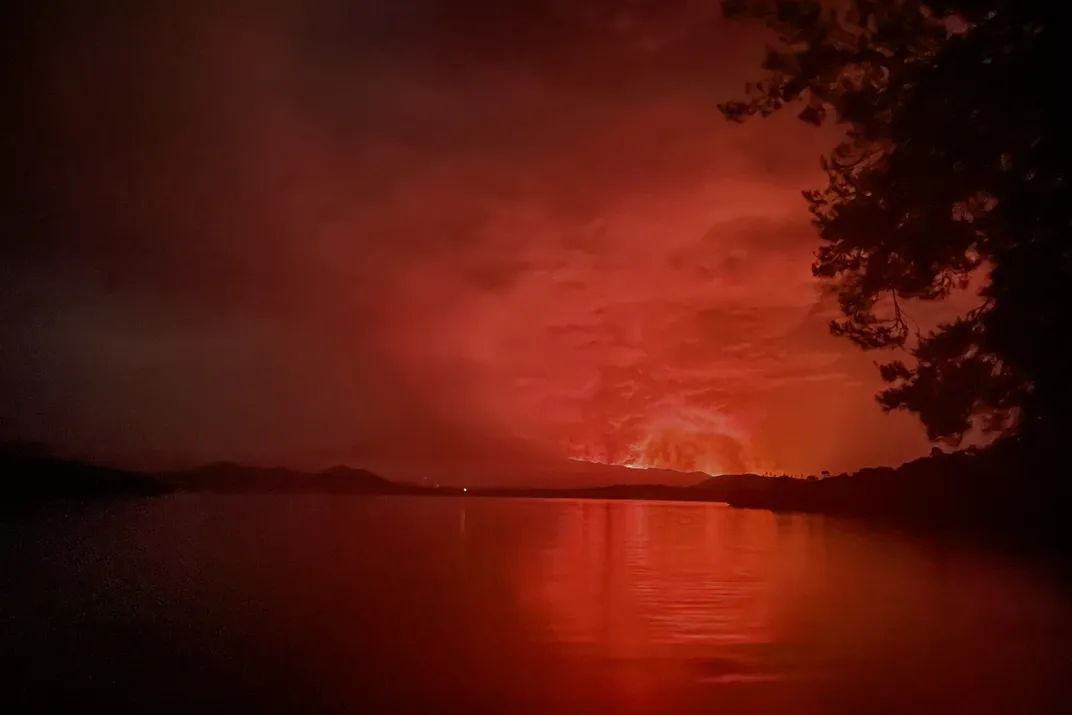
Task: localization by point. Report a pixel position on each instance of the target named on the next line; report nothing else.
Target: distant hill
(647, 484)
(720, 481)
(992, 490)
(33, 475)
(232, 477)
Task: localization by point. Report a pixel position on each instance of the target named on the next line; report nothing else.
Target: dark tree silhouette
(952, 173)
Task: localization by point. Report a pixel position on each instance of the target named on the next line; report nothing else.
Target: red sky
(428, 237)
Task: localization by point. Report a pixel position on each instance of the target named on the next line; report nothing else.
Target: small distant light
(465, 489)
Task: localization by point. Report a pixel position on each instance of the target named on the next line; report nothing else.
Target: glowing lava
(683, 440)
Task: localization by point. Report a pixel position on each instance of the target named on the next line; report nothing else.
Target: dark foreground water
(408, 605)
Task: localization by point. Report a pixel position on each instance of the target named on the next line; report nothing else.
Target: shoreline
(991, 494)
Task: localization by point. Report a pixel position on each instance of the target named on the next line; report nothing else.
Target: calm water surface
(384, 605)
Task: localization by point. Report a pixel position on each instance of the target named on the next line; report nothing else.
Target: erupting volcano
(685, 441)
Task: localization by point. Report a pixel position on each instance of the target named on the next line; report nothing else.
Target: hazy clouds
(417, 235)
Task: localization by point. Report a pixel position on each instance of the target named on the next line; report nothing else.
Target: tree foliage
(952, 173)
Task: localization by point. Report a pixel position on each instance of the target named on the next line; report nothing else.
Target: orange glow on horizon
(677, 437)
(678, 450)
(642, 465)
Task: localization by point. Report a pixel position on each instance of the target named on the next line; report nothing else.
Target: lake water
(407, 605)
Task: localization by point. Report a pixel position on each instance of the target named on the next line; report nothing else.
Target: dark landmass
(229, 477)
(32, 475)
(1008, 492)
(714, 489)
(998, 490)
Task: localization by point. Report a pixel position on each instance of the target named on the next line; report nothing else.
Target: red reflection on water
(663, 593)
